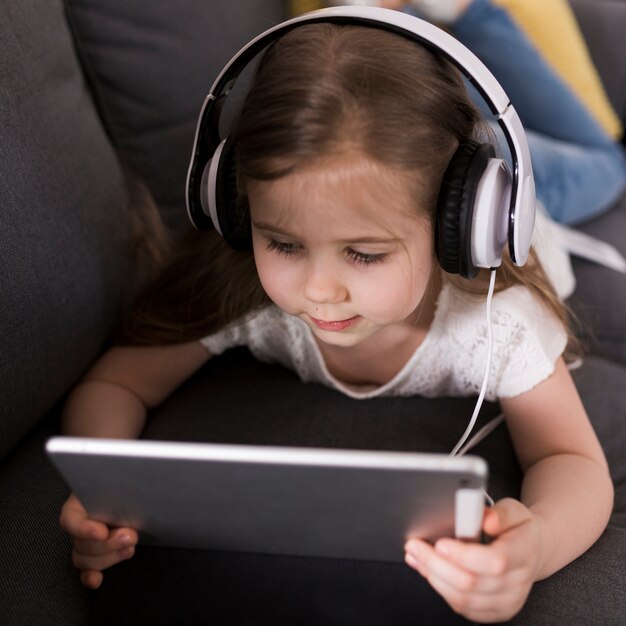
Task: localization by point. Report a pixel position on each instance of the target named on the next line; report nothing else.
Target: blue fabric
(579, 170)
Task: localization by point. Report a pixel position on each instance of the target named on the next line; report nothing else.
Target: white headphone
(482, 206)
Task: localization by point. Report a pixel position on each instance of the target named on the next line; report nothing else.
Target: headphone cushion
(233, 215)
(455, 207)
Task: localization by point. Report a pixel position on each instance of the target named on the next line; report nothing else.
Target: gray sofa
(93, 88)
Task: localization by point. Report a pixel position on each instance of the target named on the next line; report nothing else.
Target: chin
(338, 339)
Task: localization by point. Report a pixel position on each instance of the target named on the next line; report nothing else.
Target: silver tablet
(296, 501)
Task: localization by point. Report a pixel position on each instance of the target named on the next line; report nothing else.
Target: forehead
(348, 190)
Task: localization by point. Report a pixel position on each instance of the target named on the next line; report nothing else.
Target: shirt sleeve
(231, 336)
(528, 340)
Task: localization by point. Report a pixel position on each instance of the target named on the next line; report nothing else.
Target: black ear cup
(232, 213)
(455, 208)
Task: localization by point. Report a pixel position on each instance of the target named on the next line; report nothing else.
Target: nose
(323, 283)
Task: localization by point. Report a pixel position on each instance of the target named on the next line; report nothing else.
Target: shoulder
(527, 339)
(271, 335)
(511, 309)
(243, 330)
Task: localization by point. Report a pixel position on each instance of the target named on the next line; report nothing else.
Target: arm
(567, 497)
(112, 401)
(566, 476)
(113, 398)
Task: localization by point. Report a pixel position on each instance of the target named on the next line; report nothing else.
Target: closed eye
(290, 248)
(283, 247)
(364, 258)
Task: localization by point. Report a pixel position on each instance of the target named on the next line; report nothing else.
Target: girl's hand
(484, 583)
(96, 546)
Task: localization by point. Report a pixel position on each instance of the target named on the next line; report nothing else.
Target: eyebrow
(279, 231)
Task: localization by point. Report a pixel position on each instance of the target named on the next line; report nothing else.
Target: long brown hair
(319, 89)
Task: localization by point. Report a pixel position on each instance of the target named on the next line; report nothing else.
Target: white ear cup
(491, 211)
(208, 196)
(524, 221)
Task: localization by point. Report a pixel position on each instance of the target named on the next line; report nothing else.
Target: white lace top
(452, 358)
(450, 361)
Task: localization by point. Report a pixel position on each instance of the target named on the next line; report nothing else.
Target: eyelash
(356, 257)
(281, 247)
(365, 259)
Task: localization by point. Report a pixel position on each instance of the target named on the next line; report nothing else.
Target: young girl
(340, 151)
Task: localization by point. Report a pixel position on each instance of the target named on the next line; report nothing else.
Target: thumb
(505, 515)
(75, 520)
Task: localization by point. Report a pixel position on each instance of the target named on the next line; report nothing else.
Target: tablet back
(297, 501)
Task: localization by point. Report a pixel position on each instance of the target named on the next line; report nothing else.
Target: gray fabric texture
(38, 584)
(63, 204)
(599, 301)
(150, 66)
(603, 22)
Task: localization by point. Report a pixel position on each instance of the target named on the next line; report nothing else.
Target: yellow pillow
(552, 28)
(297, 7)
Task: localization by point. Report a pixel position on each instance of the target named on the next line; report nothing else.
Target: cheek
(398, 293)
(275, 279)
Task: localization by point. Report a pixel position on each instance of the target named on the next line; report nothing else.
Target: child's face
(341, 245)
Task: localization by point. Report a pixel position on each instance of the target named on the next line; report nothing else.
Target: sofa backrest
(603, 23)
(150, 66)
(63, 244)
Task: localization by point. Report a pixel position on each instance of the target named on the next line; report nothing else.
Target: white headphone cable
(483, 390)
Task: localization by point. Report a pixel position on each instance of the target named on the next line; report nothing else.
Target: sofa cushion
(39, 585)
(150, 65)
(603, 23)
(62, 240)
(599, 300)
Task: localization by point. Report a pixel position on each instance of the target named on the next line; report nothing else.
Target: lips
(337, 325)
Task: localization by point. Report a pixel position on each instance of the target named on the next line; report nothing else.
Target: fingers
(92, 556)
(75, 521)
(488, 595)
(118, 539)
(98, 562)
(461, 596)
(476, 558)
(484, 582)
(96, 547)
(471, 569)
(505, 515)
(91, 579)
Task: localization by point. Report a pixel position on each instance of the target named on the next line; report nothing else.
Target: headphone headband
(522, 203)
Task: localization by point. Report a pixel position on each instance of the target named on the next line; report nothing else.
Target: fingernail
(124, 540)
(443, 548)
(411, 560)
(126, 553)
(413, 548)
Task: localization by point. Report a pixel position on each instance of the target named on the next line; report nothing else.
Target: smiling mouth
(336, 326)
